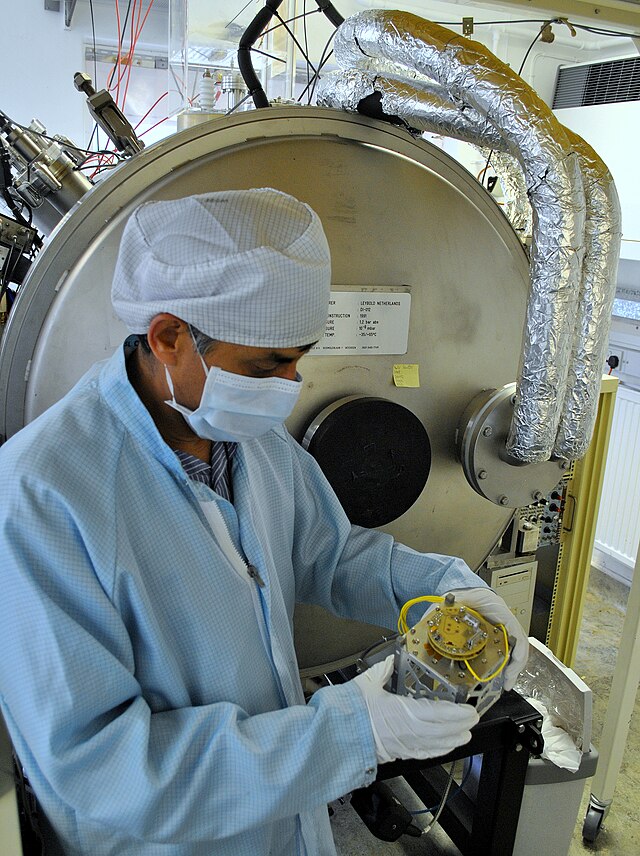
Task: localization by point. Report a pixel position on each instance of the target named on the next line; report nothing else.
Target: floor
(620, 836)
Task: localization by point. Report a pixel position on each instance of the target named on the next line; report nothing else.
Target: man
(158, 525)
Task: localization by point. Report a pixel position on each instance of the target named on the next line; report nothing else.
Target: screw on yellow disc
(456, 633)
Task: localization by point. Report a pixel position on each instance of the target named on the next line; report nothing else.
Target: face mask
(235, 407)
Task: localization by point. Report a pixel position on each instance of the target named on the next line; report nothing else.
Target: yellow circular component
(457, 633)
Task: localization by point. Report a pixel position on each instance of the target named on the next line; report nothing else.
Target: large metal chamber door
(398, 212)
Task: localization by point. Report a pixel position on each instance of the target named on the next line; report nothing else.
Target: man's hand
(494, 609)
(407, 727)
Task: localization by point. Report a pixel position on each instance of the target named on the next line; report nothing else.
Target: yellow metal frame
(578, 534)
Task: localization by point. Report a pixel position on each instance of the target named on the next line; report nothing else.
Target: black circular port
(375, 454)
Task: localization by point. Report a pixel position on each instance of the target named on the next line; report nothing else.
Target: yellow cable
(500, 667)
(402, 623)
(403, 628)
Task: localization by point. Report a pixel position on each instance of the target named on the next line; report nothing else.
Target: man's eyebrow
(280, 358)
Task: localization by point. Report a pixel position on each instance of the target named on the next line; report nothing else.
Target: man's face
(255, 362)
(172, 344)
(189, 376)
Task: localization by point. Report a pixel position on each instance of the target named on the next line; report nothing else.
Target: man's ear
(167, 337)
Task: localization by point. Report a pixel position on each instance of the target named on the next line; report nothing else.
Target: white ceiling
(621, 13)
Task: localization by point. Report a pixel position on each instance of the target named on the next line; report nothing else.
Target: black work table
(506, 736)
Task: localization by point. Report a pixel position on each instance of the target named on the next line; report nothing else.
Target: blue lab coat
(151, 690)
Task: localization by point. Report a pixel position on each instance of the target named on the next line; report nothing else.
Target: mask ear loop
(167, 374)
(195, 346)
(170, 384)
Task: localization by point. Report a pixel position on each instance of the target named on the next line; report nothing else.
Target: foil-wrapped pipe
(517, 206)
(603, 234)
(473, 77)
(422, 104)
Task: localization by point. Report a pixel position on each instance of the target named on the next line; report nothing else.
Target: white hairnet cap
(245, 266)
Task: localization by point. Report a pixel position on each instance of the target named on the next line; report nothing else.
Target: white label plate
(366, 322)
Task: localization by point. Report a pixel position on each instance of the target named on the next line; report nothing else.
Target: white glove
(407, 727)
(494, 609)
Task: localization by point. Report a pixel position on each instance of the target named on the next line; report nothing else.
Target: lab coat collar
(123, 400)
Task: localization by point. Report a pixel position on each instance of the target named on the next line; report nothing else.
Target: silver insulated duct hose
(492, 102)
(603, 234)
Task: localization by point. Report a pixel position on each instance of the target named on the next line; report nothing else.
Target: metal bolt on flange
(483, 474)
(504, 500)
(488, 431)
(538, 495)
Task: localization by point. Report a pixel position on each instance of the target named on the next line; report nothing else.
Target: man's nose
(288, 371)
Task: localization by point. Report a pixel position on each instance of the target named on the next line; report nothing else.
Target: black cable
(95, 133)
(306, 35)
(290, 21)
(316, 76)
(522, 64)
(93, 33)
(120, 43)
(67, 145)
(602, 32)
(304, 15)
(239, 104)
(330, 12)
(268, 55)
(248, 3)
(599, 31)
(529, 49)
(7, 184)
(451, 795)
(485, 23)
(247, 41)
(252, 34)
(6, 279)
(96, 168)
(296, 42)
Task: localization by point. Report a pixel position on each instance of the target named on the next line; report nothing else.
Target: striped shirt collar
(217, 473)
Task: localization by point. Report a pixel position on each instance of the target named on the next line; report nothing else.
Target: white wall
(612, 130)
(38, 58)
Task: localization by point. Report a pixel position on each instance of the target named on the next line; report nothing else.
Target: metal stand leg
(624, 687)
(485, 825)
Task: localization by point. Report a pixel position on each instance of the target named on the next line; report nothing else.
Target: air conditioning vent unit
(598, 83)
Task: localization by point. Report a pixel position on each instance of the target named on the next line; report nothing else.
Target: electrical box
(515, 585)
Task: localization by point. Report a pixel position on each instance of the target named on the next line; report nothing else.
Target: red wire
(121, 63)
(119, 52)
(132, 45)
(153, 126)
(157, 101)
(135, 35)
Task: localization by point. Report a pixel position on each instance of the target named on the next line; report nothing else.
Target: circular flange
(454, 635)
(490, 471)
(375, 454)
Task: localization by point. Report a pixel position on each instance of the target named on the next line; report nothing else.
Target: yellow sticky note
(406, 374)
